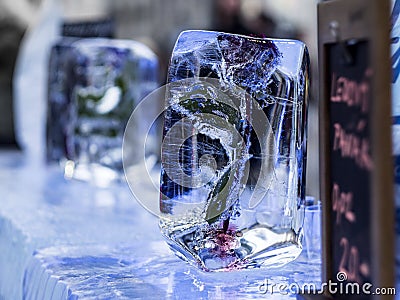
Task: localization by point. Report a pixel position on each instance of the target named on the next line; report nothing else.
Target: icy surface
(64, 239)
(40, 209)
(142, 273)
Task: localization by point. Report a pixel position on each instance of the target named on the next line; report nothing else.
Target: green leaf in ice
(218, 202)
(220, 110)
(228, 188)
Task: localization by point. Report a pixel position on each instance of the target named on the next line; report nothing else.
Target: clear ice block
(94, 85)
(234, 150)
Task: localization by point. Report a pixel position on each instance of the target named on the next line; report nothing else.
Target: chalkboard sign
(350, 158)
(355, 138)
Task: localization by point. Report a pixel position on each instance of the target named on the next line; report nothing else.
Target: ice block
(94, 86)
(234, 150)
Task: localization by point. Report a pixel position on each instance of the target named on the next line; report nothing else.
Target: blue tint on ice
(65, 240)
(94, 85)
(241, 102)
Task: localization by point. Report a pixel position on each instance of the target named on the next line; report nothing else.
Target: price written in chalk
(350, 262)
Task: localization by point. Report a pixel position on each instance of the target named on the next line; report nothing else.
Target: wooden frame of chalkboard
(355, 143)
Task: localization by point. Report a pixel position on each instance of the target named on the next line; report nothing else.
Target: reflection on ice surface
(62, 239)
(152, 272)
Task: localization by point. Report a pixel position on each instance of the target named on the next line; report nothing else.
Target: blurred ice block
(312, 230)
(94, 86)
(234, 150)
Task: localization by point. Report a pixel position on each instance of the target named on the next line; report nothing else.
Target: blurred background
(156, 23)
